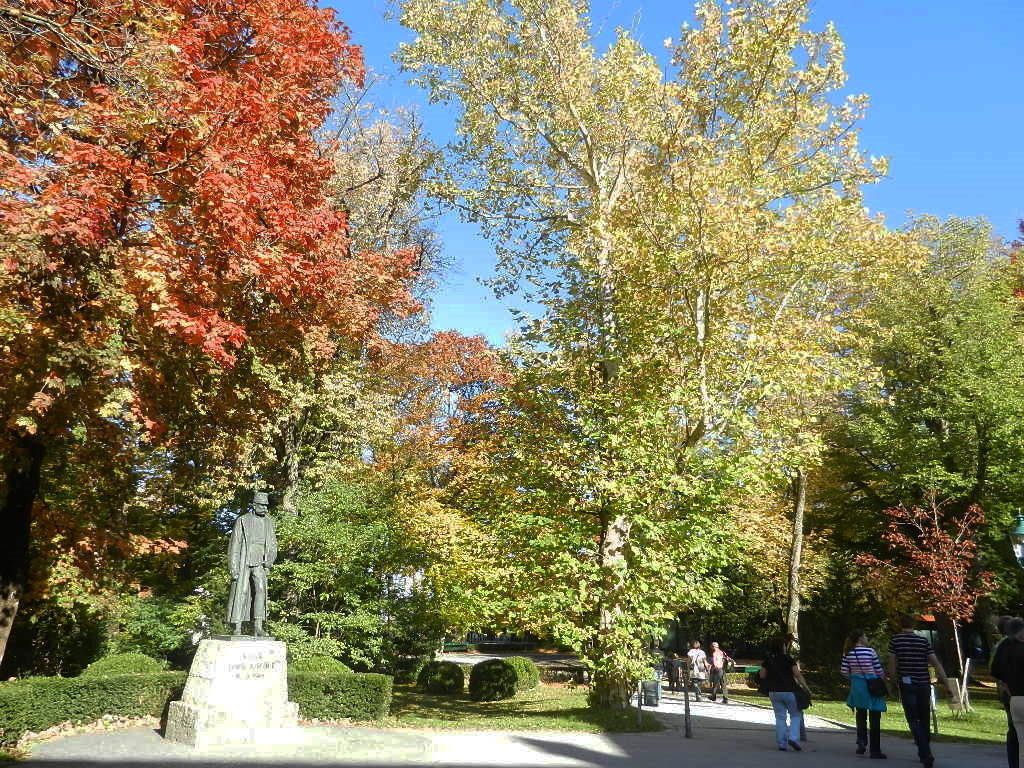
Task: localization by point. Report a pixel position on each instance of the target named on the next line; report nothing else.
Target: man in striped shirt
(909, 656)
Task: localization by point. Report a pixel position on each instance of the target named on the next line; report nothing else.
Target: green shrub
(527, 674)
(407, 669)
(359, 695)
(441, 677)
(571, 676)
(319, 665)
(38, 703)
(492, 680)
(130, 663)
(739, 680)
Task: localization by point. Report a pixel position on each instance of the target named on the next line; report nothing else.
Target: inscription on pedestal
(236, 693)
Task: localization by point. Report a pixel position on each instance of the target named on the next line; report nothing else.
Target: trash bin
(651, 691)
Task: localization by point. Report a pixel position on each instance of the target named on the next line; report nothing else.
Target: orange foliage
(81, 561)
(160, 186)
(442, 387)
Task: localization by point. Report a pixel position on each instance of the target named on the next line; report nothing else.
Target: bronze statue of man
(252, 549)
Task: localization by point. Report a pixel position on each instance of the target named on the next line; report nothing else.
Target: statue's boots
(258, 629)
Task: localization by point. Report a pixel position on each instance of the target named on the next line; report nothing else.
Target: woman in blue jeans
(781, 676)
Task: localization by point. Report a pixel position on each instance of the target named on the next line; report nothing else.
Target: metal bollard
(687, 727)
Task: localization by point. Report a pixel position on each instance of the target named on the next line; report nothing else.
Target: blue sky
(946, 81)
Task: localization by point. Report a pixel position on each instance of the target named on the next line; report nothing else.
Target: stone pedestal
(236, 693)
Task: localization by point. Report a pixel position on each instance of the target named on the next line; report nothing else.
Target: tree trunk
(959, 650)
(22, 466)
(799, 485)
(612, 683)
(289, 456)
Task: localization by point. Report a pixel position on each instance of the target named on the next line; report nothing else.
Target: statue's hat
(261, 497)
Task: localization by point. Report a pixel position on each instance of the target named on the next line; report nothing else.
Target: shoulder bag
(803, 698)
(877, 687)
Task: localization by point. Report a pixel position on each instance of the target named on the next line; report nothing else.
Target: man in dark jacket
(1008, 669)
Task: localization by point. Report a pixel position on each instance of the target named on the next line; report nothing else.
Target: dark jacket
(1008, 665)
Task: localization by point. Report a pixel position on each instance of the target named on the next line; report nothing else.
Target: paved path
(716, 716)
(734, 736)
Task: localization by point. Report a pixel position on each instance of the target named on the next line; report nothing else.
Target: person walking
(668, 669)
(720, 661)
(863, 668)
(1012, 744)
(698, 667)
(1008, 669)
(679, 665)
(781, 675)
(909, 657)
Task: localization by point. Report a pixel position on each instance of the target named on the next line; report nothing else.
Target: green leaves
(700, 249)
(948, 343)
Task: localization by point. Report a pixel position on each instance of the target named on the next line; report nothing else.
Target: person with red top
(719, 663)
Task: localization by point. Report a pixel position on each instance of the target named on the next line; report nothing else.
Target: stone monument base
(236, 693)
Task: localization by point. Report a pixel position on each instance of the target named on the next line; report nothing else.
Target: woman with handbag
(698, 666)
(868, 690)
(780, 678)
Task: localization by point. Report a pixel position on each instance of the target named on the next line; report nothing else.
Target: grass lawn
(546, 707)
(986, 725)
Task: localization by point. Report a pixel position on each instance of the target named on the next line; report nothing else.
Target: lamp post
(1017, 539)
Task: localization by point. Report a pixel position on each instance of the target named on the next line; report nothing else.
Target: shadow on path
(717, 743)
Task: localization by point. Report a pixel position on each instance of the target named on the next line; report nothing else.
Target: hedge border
(37, 703)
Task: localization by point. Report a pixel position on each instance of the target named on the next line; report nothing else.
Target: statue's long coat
(239, 561)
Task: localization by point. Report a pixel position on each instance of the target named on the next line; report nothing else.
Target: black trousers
(1012, 745)
(871, 737)
(917, 706)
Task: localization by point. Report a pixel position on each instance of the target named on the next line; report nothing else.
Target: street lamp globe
(1017, 539)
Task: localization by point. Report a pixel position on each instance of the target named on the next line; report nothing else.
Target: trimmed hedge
(38, 703)
(577, 676)
(359, 695)
(442, 677)
(527, 673)
(492, 680)
(319, 665)
(124, 664)
(408, 668)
